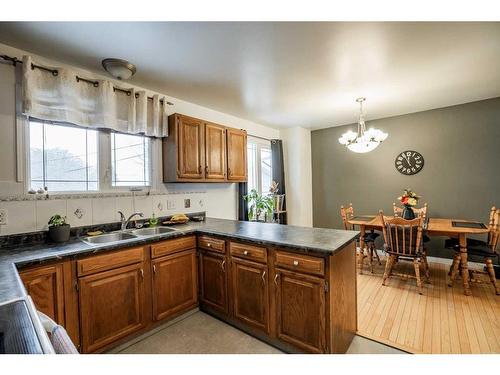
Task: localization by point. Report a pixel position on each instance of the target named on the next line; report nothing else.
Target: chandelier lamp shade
(364, 140)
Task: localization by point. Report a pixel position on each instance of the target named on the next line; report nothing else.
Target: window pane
(63, 158)
(252, 166)
(130, 160)
(266, 174)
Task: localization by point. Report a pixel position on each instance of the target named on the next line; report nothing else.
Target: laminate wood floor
(442, 320)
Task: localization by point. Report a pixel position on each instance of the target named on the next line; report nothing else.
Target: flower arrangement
(409, 198)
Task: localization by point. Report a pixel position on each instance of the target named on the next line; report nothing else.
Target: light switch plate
(187, 203)
(3, 216)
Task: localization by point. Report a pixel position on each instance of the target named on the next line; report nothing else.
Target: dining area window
(259, 165)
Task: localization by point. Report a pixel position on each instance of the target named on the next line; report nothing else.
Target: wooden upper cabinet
(112, 306)
(174, 284)
(45, 286)
(251, 293)
(201, 151)
(236, 155)
(190, 148)
(301, 310)
(183, 150)
(215, 152)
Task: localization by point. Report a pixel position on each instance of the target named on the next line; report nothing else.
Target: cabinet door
(251, 293)
(213, 281)
(236, 155)
(190, 148)
(301, 313)
(45, 286)
(174, 284)
(215, 152)
(111, 306)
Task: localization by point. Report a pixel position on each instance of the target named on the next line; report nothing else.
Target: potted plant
(409, 199)
(259, 204)
(58, 229)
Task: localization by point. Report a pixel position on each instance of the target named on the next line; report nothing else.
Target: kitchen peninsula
(293, 287)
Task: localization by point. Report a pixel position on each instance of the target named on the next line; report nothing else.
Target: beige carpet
(200, 333)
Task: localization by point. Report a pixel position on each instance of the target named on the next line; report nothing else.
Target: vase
(408, 213)
(60, 233)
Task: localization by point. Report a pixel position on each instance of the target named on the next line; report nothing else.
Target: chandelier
(364, 140)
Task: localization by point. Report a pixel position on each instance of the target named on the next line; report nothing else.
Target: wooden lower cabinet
(214, 281)
(112, 305)
(45, 286)
(301, 310)
(174, 284)
(250, 287)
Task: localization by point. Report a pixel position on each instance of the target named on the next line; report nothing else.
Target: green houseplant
(59, 230)
(259, 204)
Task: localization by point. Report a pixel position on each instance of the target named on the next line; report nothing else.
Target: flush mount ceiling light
(118, 68)
(364, 140)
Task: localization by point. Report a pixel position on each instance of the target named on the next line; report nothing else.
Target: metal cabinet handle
(223, 264)
(276, 279)
(245, 252)
(264, 277)
(199, 169)
(295, 263)
(209, 244)
(154, 268)
(142, 273)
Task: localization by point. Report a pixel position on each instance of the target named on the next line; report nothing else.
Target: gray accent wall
(460, 178)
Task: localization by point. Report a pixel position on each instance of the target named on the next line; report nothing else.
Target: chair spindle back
(402, 237)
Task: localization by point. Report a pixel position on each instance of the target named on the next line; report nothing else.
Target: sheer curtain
(62, 95)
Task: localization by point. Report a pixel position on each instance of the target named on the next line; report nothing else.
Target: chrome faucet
(126, 221)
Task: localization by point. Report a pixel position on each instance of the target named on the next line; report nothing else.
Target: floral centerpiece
(409, 199)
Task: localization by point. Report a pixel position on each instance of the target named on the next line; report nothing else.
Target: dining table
(456, 228)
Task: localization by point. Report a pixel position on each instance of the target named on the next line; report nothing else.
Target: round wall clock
(409, 162)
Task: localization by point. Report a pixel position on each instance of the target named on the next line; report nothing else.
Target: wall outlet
(3, 216)
(187, 203)
(170, 205)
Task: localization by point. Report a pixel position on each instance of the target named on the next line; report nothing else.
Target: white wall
(219, 200)
(298, 175)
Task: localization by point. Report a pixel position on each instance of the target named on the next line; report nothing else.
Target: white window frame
(27, 156)
(260, 143)
(104, 163)
(149, 167)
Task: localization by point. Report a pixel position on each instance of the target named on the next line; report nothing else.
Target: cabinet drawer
(104, 262)
(172, 246)
(300, 263)
(244, 251)
(213, 244)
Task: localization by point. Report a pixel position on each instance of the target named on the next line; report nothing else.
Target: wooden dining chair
(403, 241)
(485, 249)
(419, 213)
(347, 213)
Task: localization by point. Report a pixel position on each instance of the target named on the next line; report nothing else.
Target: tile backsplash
(33, 215)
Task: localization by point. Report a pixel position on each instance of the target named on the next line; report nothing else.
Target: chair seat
(453, 242)
(475, 247)
(371, 237)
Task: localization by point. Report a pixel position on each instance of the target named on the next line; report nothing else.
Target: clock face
(409, 162)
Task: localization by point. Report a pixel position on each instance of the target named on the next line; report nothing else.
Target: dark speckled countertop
(311, 240)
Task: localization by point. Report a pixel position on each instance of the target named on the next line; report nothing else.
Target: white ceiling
(287, 74)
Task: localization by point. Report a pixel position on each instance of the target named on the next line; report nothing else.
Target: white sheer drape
(63, 98)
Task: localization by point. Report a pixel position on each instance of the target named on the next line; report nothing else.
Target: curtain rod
(55, 72)
(256, 136)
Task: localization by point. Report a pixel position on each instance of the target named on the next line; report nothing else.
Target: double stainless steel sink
(120, 236)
